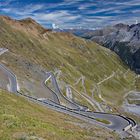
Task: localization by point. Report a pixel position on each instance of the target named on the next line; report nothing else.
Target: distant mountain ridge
(121, 38)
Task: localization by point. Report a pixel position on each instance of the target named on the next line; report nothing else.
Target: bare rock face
(125, 41)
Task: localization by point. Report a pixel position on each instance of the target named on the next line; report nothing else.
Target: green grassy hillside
(23, 120)
(32, 52)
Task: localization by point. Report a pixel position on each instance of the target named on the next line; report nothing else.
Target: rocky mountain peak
(121, 26)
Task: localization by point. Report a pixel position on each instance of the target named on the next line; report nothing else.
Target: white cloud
(26, 10)
(60, 18)
(89, 13)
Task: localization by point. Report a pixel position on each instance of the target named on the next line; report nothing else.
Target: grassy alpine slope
(23, 120)
(33, 49)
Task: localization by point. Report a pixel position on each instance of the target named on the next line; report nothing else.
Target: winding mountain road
(57, 91)
(11, 78)
(116, 122)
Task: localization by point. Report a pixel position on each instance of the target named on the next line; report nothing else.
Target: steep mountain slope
(21, 119)
(121, 38)
(34, 50)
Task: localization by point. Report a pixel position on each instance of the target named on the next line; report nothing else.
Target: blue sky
(74, 13)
